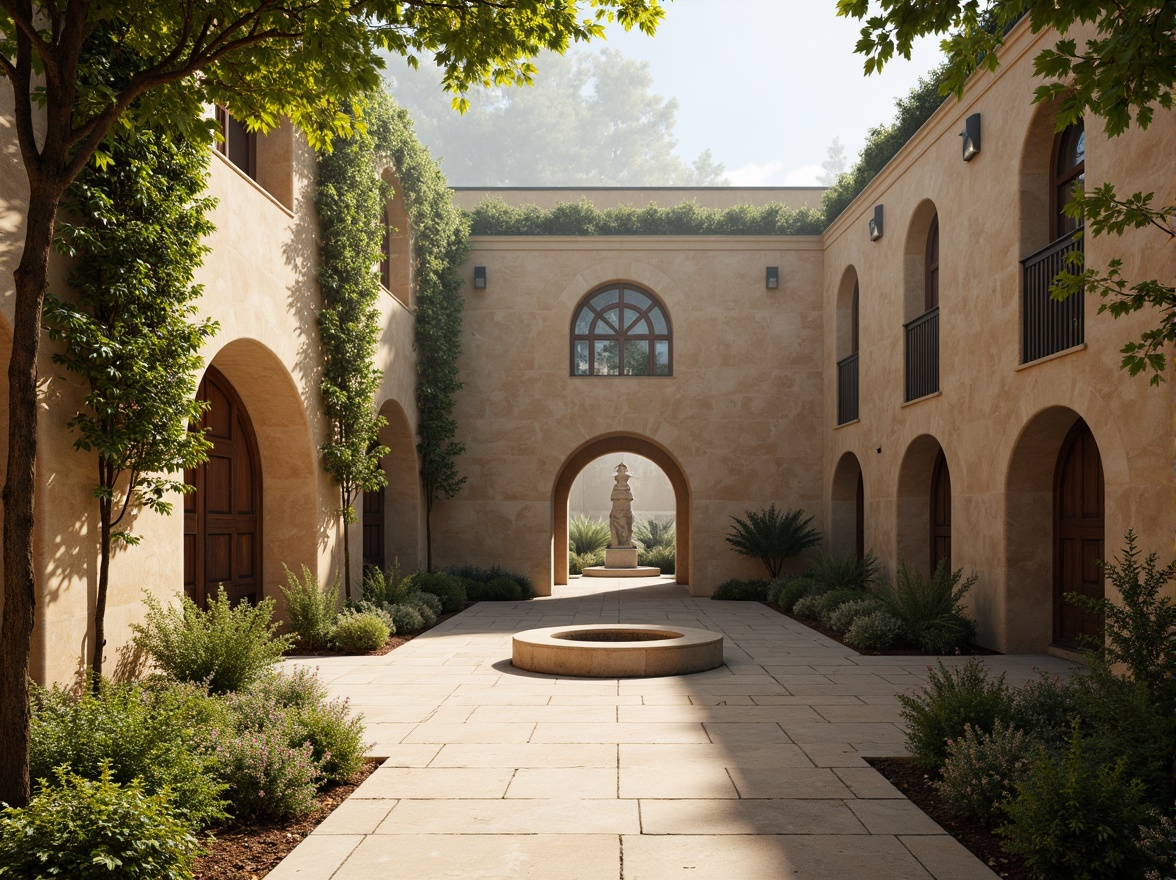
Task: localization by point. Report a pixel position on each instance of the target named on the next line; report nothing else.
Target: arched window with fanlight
(621, 330)
(1069, 172)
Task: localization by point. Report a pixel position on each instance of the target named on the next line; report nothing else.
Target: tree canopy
(592, 120)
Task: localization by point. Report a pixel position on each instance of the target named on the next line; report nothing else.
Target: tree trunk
(16, 631)
(104, 509)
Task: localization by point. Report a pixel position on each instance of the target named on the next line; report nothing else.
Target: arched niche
(396, 273)
(914, 259)
(915, 502)
(847, 507)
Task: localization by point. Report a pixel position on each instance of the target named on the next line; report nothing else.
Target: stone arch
(914, 259)
(1035, 178)
(914, 502)
(847, 507)
(287, 454)
(638, 445)
(396, 273)
(400, 511)
(847, 321)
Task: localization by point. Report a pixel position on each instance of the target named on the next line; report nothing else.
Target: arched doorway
(392, 528)
(373, 529)
(940, 512)
(1079, 531)
(594, 449)
(847, 507)
(222, 518)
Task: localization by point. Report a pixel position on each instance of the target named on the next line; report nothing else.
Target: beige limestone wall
(741, 415)
(605, 197)
(999, 423)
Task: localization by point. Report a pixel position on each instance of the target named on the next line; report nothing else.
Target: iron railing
(847, 389)
(1047, 325)
(922, 355)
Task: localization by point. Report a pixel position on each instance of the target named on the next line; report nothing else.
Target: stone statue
(620, 519)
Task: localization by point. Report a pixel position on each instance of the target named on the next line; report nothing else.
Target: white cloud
(805, 175)
(754, 174)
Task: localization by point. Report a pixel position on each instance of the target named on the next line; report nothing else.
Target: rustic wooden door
(1079, 518)
(373, 528)
(222, 518)
(940, 512)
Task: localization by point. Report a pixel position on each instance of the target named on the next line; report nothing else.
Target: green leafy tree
(592, 120)
(136, 232)
(263, 60)
(1122, 75)
(772, 536)
(350, 197)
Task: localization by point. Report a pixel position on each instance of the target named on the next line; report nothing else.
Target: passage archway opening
(847, 507)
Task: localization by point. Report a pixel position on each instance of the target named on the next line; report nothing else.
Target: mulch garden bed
(250, 850)
(815, 625)
(982, 842)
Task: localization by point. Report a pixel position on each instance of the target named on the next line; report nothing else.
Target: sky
(767, 84)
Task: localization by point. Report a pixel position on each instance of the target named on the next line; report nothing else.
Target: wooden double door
(222, 518)
(1079, 528)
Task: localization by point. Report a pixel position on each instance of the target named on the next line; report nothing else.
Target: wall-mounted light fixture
(971, 136)
(876, 224)
(772, 279)
(479, 277)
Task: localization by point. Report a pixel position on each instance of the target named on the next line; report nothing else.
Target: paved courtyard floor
(753, 770)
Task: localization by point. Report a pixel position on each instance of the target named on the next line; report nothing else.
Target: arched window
(621, 331)
(385, 248)
(931, 284)
(1069, 170)
(853, 321)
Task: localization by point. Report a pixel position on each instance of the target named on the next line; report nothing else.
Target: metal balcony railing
(847, 389)
(922, 355)
(1047, 325)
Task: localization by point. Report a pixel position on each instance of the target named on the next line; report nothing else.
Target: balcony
(922, 355)
(847, 389)
(1049, 326)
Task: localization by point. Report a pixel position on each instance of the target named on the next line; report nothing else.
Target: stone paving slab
(753, 770)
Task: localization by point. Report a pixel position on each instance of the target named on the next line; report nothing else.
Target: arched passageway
(392, 515)
(593, 449)
(923, 515)
(847, 507)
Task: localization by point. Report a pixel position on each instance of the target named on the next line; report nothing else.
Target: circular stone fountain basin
(617, 650)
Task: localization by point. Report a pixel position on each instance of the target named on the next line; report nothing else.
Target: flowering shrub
(359, 632)
(844, 615)
(267, 778)
(808, 607)
(982, 769)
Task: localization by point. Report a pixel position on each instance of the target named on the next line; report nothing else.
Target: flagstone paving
(753, 770)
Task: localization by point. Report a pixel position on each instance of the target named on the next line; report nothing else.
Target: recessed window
(385, 248)
(931, 286)
(1069, 172)
(237, 145)
(621, 331)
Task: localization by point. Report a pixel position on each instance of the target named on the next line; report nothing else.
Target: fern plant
(772, 536)
(930, 609)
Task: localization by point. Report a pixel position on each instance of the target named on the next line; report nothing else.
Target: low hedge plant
(741, 591)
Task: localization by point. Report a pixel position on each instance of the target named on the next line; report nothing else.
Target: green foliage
(837, 571)
(1071, 820)
(350, 199)
(953, 697)
(311, 609)
(267, 777)
(407, 618)
(136, 236)
(982, 770)
(225, 647)
(575, 563)
(792, 591)
(661, 556)
(358, 632)
(503, 589)
(160, 735)
(876, 631)
(446, 587)
(843, 616)
(1140, 630)
(808, 607)
(494, 572)
(929, 608)
(652, 533)
(363, 606)
(440, 244)
(1046, 706)
(772, 536)
(741, 591)
(431, 601)
(386, 587)
(834, 599)
(587, 535)
(495, 217)
(86, 829)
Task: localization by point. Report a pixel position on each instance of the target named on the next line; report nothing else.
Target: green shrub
(363, 606)
(358, 632)
(834, 599)
(838, 571)
(742, 591)
(575, 563)
(1074, 820)
(384, 587)
(298, 689)
(446, 587)
(311, 609)
(425, 605)
(476, 573)
(224, 646)
(407, 618)
(982, 770)
(876, 631)
(1046, 707)
(81, 828)
(808, 607)
(793, 591)
(952, 699)
(503, 589)
(159, 734)
(268, 778)
(929, 607)
(335, 736)
(659, 557)
(846, 613)
(650, 534)
(772, 536)
(586, 535)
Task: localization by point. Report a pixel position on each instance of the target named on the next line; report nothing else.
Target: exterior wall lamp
(971, 136)
(772, 279)
(876, 224)
(479, 277)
